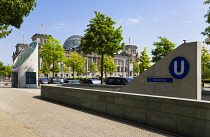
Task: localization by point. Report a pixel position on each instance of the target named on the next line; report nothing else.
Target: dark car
(43, 80)
(67, 80)
(91, 81)
(118, 80)
(54, 80)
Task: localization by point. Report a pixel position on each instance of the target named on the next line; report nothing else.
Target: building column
(123, 67)
(120, 66)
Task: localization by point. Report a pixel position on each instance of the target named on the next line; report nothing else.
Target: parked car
(118, 80)
(91, 81)
(54, 80)
(74, 82)
(43, 80)
(66, 80)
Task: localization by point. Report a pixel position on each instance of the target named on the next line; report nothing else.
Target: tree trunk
(53, 68)
(105, 74)
(203, 77)
(102, 65)
(73, 72)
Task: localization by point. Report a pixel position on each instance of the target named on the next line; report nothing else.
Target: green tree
(52, 53)
(45, 69)
(206, 32)
(5, 70)
(162, 49)
(102, 38)
(66, 69)
(8, 70)
(108, 66)
(12, 13)
(205, 59)
(144, 60)
(76, 62)
(206, 72)
(56, 69)
(136, 68)
(2, 68)
(92, 68)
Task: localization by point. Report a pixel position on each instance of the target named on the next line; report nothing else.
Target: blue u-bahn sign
(179, 67)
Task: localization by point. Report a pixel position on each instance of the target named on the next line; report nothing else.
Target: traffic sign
(179, 67)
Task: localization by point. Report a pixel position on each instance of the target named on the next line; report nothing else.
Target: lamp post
(86, 67)
(129, 56)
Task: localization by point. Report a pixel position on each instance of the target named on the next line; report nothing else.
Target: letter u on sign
(179, 67)
(176, 68)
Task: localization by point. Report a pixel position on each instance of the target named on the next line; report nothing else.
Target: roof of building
(23, 56)
(72, 42)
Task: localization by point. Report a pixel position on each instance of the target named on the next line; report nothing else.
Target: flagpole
(23, 39)
(129, 40)
(41, 27)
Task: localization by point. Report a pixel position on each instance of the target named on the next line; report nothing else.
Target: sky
(143, 21)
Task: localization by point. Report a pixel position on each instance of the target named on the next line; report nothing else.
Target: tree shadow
(136, 125)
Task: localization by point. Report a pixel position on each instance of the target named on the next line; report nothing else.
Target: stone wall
(185, 117)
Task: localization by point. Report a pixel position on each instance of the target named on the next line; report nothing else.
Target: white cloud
(129, 21)
(59, 26)
(133, 20)
(187, 21)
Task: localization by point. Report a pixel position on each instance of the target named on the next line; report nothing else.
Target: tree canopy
(102, 37)
(206, 32)
(162, 49)
(12, 13)
(45, 68)
(205, 55)
(136, 68)
(109, 65)
(205, 58)
(92, 67)
(76, 62)
(52, 53)
(5, 70)
(144, 60)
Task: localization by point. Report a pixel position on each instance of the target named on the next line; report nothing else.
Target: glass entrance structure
(25, 67)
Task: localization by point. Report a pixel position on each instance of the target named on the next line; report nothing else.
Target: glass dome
(72, 42)
(23, 56)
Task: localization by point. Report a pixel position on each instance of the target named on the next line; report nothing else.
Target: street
(24, 112)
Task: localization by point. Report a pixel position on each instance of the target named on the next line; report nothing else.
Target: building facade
(72, 44)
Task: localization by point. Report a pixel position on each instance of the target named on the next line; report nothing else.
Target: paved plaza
(23, 113)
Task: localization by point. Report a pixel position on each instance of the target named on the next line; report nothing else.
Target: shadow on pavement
(136, 125)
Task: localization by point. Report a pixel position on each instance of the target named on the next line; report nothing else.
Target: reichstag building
(72, 44)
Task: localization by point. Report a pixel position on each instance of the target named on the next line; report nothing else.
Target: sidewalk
(9, 127)
(24, 114)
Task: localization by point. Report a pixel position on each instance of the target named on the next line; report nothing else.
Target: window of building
(118, 69)
(30, 77)
(94, 59)
(121, 69)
